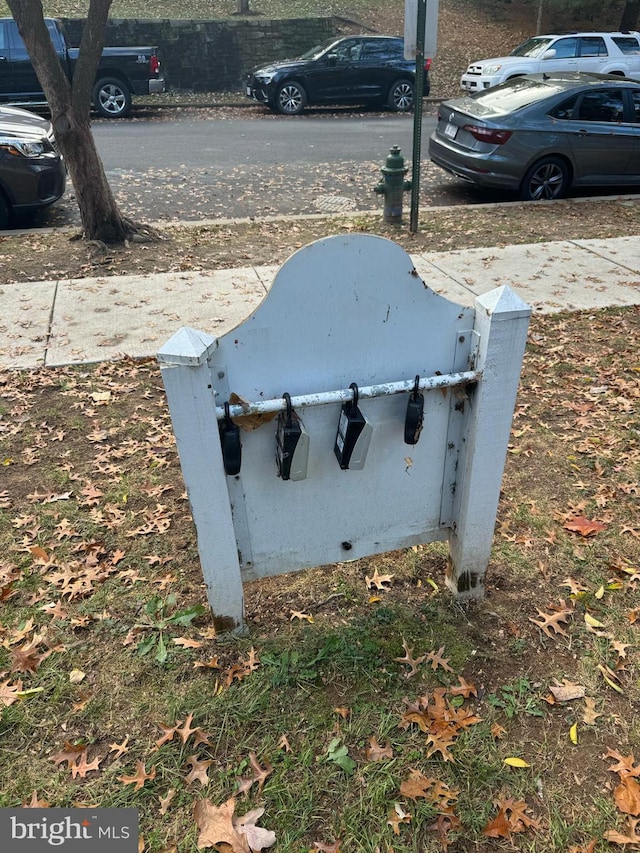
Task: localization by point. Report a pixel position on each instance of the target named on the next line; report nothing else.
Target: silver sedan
(542, 134)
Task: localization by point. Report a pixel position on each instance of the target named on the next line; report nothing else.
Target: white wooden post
(501, 323)
(186, 372)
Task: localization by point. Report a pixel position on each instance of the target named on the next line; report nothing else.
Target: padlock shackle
(354, 403)
(289, 409)
(416, 387)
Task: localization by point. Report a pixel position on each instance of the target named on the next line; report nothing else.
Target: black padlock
(292, 444)
(230, 441)
(354, 434)
(414, 416)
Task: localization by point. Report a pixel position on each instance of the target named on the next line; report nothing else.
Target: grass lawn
(365, 710)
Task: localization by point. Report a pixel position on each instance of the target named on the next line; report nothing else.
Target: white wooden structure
(342, 310)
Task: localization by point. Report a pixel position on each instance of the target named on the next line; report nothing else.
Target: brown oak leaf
(627, 796)
(165, 802)
(590, 715)
(378, 581)
(35, 803)
(216, 827)
(436, 660)
(462, 689)
(397, 815)
(375, 752)
(409, 660)
(198, 770)
(583, 526)
(9, 693)
(140, 777)
(616, 837)
(626, 764)
(549, 623)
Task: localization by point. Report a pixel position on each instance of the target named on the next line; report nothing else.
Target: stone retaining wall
(212, 56)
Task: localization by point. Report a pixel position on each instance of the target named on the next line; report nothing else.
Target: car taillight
(488, 134)
(154, 64)
(427, 64)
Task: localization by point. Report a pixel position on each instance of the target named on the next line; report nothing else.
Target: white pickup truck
(604, 53)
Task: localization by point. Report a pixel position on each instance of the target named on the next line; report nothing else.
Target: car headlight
(265, 79)
(491, 69)
(24, 148)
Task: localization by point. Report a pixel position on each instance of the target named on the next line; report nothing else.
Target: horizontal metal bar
(428, 383)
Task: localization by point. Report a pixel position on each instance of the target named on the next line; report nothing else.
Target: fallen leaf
(516, 762)
(397, 816)
(257, 837)
(140, 777)
(436, 660)
(584, 526)
(166, 801)
(298, 614)
(198, 770)
(216, 826)
(378, 581)
(573, 733)
(627, 796)
(375, 752)
(409, 660)
(590, 715)
(567, 691)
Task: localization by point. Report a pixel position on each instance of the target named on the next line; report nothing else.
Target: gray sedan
(542, 134)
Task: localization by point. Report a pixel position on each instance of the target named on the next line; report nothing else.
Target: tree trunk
(630, 15)
(539, 17)
(70, 104)
(243, 7)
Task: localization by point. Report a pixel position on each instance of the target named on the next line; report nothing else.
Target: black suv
(348, 70)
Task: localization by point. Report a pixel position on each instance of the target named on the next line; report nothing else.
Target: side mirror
(332, 58)
(549, 54)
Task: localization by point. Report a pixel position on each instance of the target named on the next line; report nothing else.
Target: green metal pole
(417, 117)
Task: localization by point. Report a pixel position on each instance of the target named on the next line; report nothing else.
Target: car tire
(548, 179)
(5, 212)
(111, 98)
(291, 99)
(401, 96)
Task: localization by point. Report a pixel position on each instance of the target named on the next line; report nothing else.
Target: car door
(562, 55)
(5, 60)
(593, 54)
(602, 137)
(634, 164)
(24, 80)
(377, 68)
(335, 76)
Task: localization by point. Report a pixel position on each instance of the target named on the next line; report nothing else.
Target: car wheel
(111, 98)
(291, 99)
(546, 179)
(401, 96)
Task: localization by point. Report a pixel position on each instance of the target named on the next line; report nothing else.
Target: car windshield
(518, 93)
(532, 47)
(319, 49)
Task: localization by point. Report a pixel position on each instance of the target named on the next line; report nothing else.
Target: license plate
(450, 130)
(249, 91)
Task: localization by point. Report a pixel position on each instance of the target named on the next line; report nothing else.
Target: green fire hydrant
(393, 185)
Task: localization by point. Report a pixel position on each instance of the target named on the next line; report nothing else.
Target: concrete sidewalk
(54, 323)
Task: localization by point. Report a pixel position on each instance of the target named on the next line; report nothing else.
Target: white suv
(604, 53)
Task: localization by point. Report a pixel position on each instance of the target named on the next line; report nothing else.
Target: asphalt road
(209, 164)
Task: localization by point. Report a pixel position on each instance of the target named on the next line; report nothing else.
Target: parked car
(122, 71)
(348, 70)
(32, 172)
(541, 134)
(602, 53)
